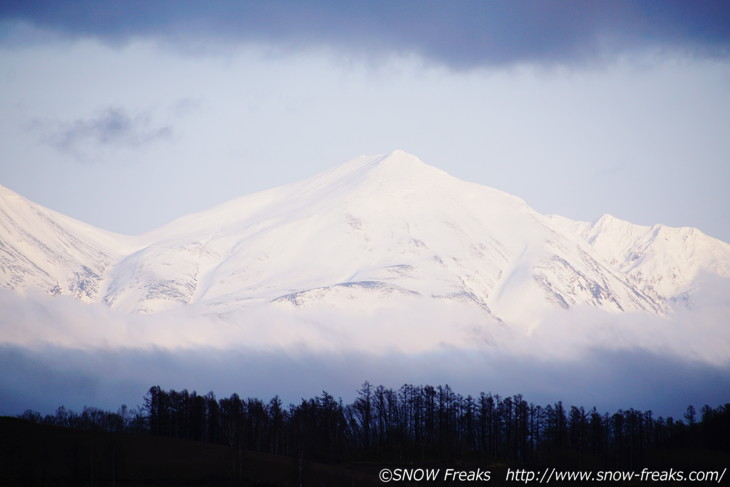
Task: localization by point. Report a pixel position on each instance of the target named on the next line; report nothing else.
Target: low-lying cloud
(57, 351)
(45, 378)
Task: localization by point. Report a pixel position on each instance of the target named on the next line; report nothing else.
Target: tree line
(412, 423)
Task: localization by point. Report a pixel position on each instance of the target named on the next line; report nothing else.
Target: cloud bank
(45, 378)
(462, 34)
(56, 351)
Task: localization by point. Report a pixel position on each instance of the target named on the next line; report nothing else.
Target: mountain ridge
(406, 228)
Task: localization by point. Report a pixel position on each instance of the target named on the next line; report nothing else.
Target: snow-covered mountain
(42, 249)
(376, 231)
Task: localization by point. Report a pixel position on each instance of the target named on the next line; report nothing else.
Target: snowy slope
(660, 261)
(42, 249)
(375, 223)
(378, 231)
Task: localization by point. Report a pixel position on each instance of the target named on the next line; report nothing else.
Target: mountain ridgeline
(375, 232)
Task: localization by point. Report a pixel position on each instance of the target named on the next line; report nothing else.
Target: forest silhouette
(414, 425)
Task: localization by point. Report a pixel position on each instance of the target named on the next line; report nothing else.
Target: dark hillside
(42, 455)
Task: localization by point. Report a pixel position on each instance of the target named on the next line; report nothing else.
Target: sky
(127, 115)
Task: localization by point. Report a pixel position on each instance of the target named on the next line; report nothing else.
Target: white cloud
(85, 354)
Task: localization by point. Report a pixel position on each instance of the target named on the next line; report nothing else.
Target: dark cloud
(110, 127)
(43, 379)
(459, 34)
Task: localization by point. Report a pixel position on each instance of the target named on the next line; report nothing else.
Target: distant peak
(609, 221)
(606, 218)
(402, 160)
(399, 156)
(401, 153)
(401, 165)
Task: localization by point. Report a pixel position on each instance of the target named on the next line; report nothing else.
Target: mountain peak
(401, 160)
(388, 219)
(400, 166)
(608, 222)
(399, 156)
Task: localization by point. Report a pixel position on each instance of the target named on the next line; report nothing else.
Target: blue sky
(127, 115)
